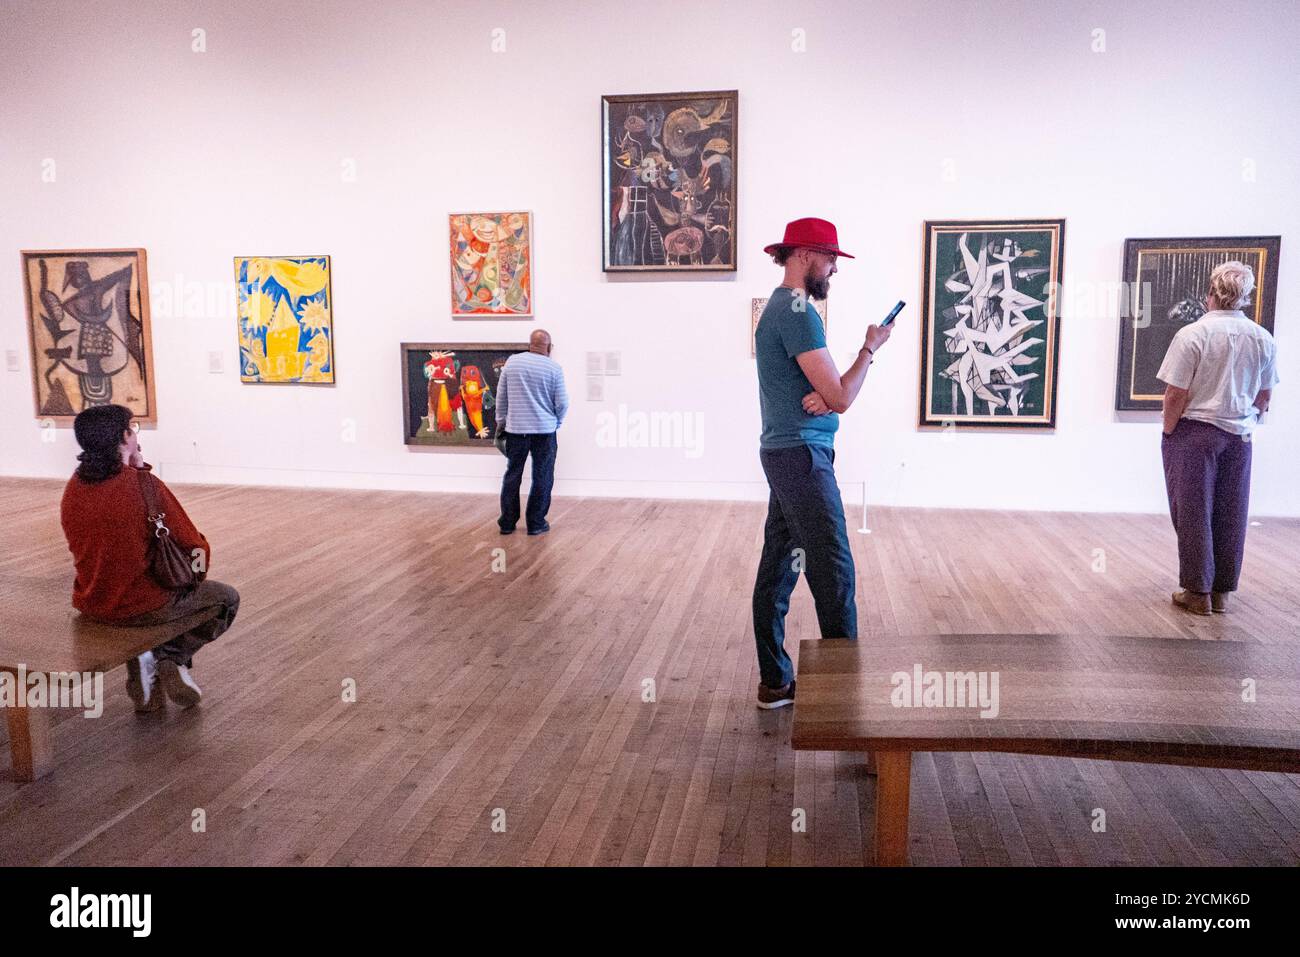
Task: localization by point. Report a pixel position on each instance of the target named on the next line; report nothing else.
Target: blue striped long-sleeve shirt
(531, 398)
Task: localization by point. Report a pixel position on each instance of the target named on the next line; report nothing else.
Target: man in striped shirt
(531, 403)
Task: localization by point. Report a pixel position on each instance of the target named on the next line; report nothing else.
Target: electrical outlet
(613, 363)
(216, 363)
(11, 360)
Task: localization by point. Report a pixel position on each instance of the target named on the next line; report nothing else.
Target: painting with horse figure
(449, 392)
(88, 326)
(669, 182)
(990, 325)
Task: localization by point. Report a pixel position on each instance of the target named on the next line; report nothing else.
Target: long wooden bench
(40, 633)
(1221, 704)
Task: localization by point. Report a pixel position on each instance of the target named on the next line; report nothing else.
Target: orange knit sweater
(108, 534)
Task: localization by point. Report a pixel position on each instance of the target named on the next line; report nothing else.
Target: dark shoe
(1219, 601)
(540, 531)
(1195, 602)
(769, 698)
(507, 531)
(142, 683)
(179, 685)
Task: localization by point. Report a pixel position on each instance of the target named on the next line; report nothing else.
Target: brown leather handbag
(169, 565)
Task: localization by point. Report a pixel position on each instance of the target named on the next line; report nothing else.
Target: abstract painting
(449, 392)
(491, 265)
(286, 326)
(88, 325)
(756, 307)
(669, 182)
(990, 334)
(1165, 282)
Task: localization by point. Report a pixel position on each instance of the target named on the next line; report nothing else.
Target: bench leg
(29, 741)
(893, 793)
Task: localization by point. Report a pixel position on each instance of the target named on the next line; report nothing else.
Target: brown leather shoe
(770, 698)
(1195, 602)
(1219, 600)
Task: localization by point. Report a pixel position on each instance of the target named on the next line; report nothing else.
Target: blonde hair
(1231, 284)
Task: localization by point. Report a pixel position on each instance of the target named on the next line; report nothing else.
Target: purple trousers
(1207, 475)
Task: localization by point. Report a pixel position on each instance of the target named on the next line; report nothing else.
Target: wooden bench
(1152, 700)
(40, 632)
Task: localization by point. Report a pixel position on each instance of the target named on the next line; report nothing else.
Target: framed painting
(1164, 287)
(756, 307)
(286, 325)
(669, 182)
(990, 330)
(491, 265)
(449, 392)
(88, 326)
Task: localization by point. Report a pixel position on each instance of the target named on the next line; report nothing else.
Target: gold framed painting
(491, 265)
(88, 326)
(286, 319)
(1164, 287)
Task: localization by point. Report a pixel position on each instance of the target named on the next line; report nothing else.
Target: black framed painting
(1164, 287)
(449, 392)
(669, 182)
(990, 328)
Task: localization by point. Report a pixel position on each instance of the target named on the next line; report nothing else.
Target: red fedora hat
(811, 233)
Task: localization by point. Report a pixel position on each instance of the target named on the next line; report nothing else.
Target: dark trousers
(804, 512)
(1207, 475)
(208, 594)
(542, 447)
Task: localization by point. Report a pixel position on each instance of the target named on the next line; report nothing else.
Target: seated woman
(105, 520)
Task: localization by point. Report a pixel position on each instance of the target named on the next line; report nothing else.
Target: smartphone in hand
(894, 312)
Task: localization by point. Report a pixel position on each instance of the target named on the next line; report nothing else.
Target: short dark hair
(781, 254)
(99, 431)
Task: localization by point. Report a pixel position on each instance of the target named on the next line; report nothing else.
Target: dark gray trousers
(209, 594)
(1207, 475)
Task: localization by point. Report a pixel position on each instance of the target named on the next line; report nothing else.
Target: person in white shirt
(1219, 372)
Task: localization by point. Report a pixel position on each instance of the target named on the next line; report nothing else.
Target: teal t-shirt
(783, 332)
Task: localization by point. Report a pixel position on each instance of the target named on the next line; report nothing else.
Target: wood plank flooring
(517, 697)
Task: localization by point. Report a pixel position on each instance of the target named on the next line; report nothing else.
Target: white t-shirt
(1223, 360)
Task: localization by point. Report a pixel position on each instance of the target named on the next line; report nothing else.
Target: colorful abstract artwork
(491, 265)
(670, 182)
(990, 328)
(756, 307)
(88, 325)
(286, 326)
(449, 392)
(1165, 282)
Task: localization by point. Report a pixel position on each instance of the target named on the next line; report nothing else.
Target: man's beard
(815, 287)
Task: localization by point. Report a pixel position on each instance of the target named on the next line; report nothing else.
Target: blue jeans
(542, 447)
(804, 511)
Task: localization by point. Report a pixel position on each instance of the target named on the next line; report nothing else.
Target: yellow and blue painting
(286, 327)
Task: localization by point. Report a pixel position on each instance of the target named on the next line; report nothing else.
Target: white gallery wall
(1127, 119)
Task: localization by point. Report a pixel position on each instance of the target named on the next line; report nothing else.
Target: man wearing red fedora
(800, 392)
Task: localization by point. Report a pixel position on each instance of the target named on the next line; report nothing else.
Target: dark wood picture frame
(471, 444)
(727, 159)
(1146, 328)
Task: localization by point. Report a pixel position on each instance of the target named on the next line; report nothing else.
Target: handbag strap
(150, 493)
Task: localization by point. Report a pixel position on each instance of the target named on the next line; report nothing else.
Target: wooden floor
(516, 696)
